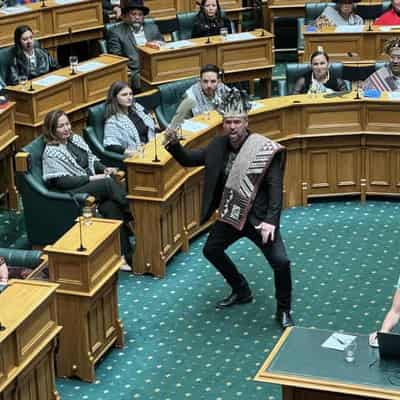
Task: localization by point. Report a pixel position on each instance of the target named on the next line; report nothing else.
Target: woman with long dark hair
(209, 20)
(318, 79)
(127, 124)
(28, 61)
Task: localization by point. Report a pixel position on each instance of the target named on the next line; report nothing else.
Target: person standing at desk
(387, 78)
(318, 80)
(390, 17)
(391, 319)
(124, 38)
(209, 20)
(202, 96)
(28, 61)
(244, 175)
(343, 13)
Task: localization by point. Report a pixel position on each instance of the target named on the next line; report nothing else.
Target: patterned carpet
(345, 264)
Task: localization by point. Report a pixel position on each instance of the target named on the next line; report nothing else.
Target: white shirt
(140, 38)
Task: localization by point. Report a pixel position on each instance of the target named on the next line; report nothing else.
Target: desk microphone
(81, 247)
(155, 159)
(351, 55)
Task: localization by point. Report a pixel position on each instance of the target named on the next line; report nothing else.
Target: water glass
(22, 80)
(87, 215)
(223, 32)
(350, 351)
(140, 150)
(73, 63)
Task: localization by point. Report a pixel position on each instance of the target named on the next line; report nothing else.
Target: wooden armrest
(21, 161)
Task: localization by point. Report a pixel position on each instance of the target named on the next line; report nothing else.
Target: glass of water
(223, 32)
(22, 80)
(73, 63)
(350, 351)
(87, 215)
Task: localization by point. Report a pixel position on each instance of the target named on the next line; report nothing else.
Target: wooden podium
(8, 139)
(87, 304)
(28, 313)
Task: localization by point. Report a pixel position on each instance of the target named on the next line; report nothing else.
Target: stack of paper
(89, 66)
(233, 37)
(193, 126)
(50, 80)
(177, 45)
(14, 10)
(338, 341)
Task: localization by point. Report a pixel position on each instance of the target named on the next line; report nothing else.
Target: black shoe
(235, 298)
(284, 318)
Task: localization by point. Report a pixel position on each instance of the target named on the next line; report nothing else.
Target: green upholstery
(94, 136)
(48, 213)
(185, 24)
(6, 55)
(380, 64)
(314, 10)
(300, 34)
(170, 97)
(21, 258)
(386, 5)
(294, 71)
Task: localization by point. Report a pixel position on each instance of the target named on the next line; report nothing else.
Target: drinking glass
(73, 63)
(87, 215)
(140, 150)
(223, 32)
(22, 80)
(350, 351)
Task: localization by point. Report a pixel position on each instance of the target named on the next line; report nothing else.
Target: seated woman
(128, 125)
(28, 61)
(209, 20)
(391, 318)
(7, 272)
(343, 13)
(70, 166)
(318, 80)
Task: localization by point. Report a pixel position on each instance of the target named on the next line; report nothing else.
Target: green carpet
(345, 264)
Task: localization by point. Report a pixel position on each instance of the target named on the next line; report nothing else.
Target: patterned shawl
(381, 80)
(58, 161)
(247, 173)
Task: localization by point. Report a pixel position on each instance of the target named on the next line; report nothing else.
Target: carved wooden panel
(192, 200)
(319, 163)
(347, 170)
(382, 118)
(378, 169)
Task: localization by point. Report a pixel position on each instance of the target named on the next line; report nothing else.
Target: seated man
(201, 96)
(387, 79)
(342, 14)
(390, 17)
(123, 38)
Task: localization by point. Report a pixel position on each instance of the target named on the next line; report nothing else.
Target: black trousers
(222, 235)
(112, 203)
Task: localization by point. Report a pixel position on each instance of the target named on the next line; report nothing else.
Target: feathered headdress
(233, 103)
(391, 44)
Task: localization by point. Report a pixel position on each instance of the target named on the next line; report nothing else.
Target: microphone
(43, 3)
(81, 247)
(155, 159)
(31, 89)
(351, 55)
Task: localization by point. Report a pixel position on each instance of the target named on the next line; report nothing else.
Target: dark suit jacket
(121, 41)
(267, 205)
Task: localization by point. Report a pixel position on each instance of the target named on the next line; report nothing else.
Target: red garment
(388, 18)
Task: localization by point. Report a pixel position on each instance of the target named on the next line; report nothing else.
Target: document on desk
(50, 80)
(255, 105)
(338, 341)
(233, 37)
(90, 66)
(67, 1)
(177, 45)
(14, 10)
(349, 28)
(193, 126)
(394, 95)
(389, 28)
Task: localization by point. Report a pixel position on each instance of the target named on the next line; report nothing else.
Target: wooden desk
(28, 312)
(167, 9)
(336, 146)
(8, 139)
(72, 95)
(50, 24)
(241, 60)
(364, 46)
(87, 304)
(308, 371)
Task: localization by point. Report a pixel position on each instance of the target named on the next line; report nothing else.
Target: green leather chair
(186, 22)
(386, 4)
(294, 71)
(313, 10)
(6, 55)
(170, 97)
(21, 258)
(94, 136)
(48, 213)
